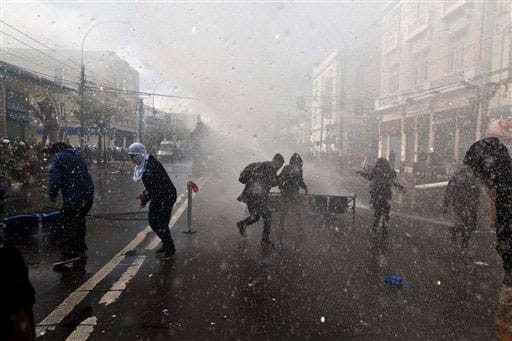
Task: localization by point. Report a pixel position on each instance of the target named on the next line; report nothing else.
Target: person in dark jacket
(68, 173)
(159, 192)
(382, 180)
(490, 161)
(17, 296)
(259, 178)
(290, 182)
(463, 193)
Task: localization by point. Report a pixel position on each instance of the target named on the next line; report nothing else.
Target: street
(318, 281)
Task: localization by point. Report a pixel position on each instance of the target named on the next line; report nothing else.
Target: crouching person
(159, 192)
(68, 174)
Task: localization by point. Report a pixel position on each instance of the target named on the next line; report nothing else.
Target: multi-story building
(345, 86)
(28, 102)
(109, 79)
(438, 61)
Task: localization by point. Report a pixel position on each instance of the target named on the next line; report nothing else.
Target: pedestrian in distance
(392, 159)
(68, 173)
(382, 180)
(159, 192)
(490, 161)
(259, 178)
(290, 182)
(463, 193)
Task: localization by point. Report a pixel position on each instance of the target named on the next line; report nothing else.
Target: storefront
(444, 124)
(17, 117)
(391, 134)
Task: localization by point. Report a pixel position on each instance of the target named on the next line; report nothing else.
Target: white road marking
(83, 330)
(58, 314)
(155, 241)
(117, 288)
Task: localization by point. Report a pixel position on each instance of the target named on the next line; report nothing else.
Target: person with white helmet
(159, 192)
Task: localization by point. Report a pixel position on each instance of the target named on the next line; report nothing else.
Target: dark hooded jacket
(382, 180)
(463, 191)
(259, 178)
(68, 173)
(159, 186)
(291, 178)
(490, 160)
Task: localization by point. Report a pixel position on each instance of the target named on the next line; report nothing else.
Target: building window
(393, 80)
(419, 69)
(457, 51)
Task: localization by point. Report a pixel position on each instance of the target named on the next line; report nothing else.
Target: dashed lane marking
(118, 287)
(83, 330)
(51, 321)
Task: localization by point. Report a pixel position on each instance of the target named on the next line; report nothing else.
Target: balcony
(385, 102)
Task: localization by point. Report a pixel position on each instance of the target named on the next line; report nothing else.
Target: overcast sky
(239, 59)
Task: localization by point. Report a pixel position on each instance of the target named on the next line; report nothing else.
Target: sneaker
(241, 228)
(167, 254)
(60, 265)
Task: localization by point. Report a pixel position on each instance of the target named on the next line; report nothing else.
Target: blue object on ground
(50, 220)
(396, 281)
(20, 227)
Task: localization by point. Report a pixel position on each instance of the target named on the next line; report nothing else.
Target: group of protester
(19, 160)
(487, 160)
(259, 178)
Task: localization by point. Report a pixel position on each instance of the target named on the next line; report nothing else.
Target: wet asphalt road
(324, 281)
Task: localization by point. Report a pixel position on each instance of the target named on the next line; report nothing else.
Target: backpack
(248, 173)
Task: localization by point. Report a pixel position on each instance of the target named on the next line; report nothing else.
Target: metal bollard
(191, 186)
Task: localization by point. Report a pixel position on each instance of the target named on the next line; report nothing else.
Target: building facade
(30, 104)
(109, 80)
(439, 66)
(345, 86)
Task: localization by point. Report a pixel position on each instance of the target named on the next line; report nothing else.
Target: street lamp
(82, 78)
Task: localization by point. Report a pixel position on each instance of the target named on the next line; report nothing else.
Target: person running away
(159, 192)
(463, 193)
(259, 178)
(490, 161)
(382, 180)
(290, 182)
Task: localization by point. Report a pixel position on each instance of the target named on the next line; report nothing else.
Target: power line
(46, 76)
(133, 92)
(37, 41)
(38, 50)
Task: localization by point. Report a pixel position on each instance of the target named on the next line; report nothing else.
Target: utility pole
(141, 119)
(81, 94)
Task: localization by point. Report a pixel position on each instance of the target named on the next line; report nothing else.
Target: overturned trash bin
(20, 227)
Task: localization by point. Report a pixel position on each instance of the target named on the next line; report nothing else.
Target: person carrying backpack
(463, 193)
(258, 179)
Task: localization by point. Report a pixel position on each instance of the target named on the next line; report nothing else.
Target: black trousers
(73, 229)
(259, 209)
(160, 211)
(468, 218)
